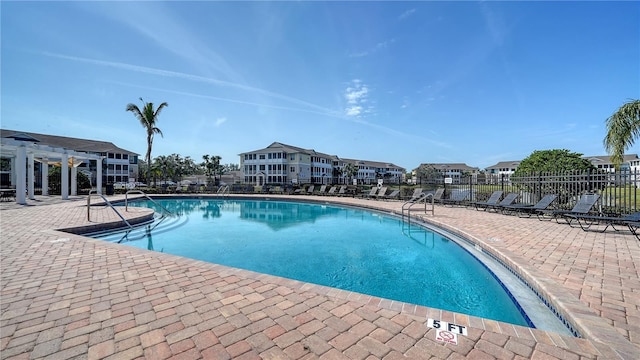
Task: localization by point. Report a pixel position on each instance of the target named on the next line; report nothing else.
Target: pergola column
(30, 177)
(45, 176)
(74, 179)
(21, 176)
(64, 177)
(13, 173)
(99, 176)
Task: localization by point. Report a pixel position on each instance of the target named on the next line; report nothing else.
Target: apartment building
(118, 165)
(286, 164)
(629, 162)
(451, 172)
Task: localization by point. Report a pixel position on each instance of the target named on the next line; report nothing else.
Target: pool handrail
(126, 200)
(95, 192)
(420, 199)
(223, 190)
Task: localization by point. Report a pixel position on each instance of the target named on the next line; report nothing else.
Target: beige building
(118, 165)
(286, 164)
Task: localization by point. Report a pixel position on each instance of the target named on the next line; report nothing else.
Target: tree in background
(565, 173)
(212, 166)
(350, 170)
(55, 180)
(231, 167)
(623, 128)
(428, 173)
(553, 161)
(148, 118)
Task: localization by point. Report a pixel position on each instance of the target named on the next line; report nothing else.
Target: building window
(292, 169)
(262, 156)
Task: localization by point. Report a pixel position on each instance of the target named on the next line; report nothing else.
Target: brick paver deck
(64, 296)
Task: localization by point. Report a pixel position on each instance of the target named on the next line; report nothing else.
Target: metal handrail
(95, 192)
(126, 200)
(422, 198)
(223, 190)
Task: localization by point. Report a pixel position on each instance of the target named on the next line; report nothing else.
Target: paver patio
(65, 296)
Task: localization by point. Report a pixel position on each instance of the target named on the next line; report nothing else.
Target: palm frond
(623, 128)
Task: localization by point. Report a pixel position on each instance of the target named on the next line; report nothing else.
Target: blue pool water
(347, 248)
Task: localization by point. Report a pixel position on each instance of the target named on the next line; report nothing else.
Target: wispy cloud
(378, 47)
(356, 95)
(406, 14)
(220, 121)
(175, 74)
(161, 25)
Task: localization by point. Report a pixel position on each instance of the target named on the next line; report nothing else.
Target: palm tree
(623, 128)
(350, 170)
(148, 118)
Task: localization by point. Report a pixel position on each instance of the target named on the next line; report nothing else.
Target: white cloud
(220, 121)
(379, 46)
(406, 14)
(356, 94)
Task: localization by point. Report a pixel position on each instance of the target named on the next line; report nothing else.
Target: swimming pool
(347, 248)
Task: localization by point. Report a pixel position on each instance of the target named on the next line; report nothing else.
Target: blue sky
(401, 82)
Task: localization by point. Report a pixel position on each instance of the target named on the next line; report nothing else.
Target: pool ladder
(126, 201)
(223, 191)
(106, 201)
(424, 198)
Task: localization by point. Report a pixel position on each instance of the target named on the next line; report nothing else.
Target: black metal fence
(619, 191)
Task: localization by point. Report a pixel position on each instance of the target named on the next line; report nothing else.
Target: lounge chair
(381, 193)
(493, 200)
(416, 194)
(332, 191)
(371, 193)
(456, 198)
(437, 196)
(323, 188)
(583, 206)
(526, 210)
(342, 191)
(395, 194)
(633, 227)
(586, 221)
(508, 200)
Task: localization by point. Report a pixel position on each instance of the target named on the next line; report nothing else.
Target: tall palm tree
(623, 128)
(148, 118)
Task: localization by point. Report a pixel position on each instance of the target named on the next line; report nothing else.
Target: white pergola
(24, 151)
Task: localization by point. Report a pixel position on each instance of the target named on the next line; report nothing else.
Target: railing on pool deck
(223, 191)
(95, 192)
(126, 200)
(423, 198)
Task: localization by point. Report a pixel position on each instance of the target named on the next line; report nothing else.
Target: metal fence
(619, 191)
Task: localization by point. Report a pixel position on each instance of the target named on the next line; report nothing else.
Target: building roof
(376, 164)
(294, 149)
(70, 143)
(505, 164)
(607, 159)
(449, 166)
